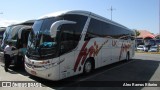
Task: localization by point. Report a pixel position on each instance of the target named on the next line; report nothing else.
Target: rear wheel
(88, 66)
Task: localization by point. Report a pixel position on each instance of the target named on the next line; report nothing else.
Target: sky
(134, 14)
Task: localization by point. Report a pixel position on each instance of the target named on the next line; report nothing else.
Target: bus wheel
(127, 56)
(88, 66)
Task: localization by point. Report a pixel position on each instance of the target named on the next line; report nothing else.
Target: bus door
(25, 34)
(66, 51)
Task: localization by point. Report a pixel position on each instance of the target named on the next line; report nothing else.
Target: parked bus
(18, 35)
(65, 44)
(2, 30)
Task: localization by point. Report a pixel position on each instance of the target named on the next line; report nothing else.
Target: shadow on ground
(136, 70)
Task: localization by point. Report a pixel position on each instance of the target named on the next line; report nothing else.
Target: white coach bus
(65, 44)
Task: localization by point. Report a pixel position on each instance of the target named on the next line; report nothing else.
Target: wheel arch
(92, 61)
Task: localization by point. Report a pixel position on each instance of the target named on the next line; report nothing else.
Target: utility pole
(159, 27)
(159, 17)
(111, 9)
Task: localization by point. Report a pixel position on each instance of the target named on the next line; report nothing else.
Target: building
(157, 36)
(144, 34)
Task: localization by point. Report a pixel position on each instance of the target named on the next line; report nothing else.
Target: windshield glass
(140, 46)
(154, 47)
(40, 40)
(5, 36)
(1, 33)
(1, 37)
(11, 35)
(41, 46)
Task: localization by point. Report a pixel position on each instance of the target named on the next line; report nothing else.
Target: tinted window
(78, 27)
(47, 24)
(102, 29)
(70, 33)
(36, 25)
(92, 30)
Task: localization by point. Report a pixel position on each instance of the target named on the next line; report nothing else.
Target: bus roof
(81, 12)
(2, 29)
(28, 22)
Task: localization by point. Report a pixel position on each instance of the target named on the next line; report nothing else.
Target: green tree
(137, 32)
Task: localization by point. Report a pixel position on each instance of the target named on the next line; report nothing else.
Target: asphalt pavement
(143, 68)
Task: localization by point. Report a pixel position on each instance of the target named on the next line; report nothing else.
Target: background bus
(65, 44)
(2, 30)
(18, 35)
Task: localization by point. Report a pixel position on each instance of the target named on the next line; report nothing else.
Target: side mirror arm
(55, 25)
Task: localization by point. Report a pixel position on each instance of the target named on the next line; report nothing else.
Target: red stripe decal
(81, 54)
(92, 52)
(124, 48)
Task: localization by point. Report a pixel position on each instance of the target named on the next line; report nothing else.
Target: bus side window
(93, 30)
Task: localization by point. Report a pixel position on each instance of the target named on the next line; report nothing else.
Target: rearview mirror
(55, 25)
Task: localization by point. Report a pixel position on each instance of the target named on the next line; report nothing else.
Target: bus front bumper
(42, 71)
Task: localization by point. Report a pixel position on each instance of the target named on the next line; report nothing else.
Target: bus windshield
(5, 36)
(11, 34)
(40, 44)
(40, 40)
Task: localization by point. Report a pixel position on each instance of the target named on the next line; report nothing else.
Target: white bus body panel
(106, 51)
(66, 67)
(47, 69)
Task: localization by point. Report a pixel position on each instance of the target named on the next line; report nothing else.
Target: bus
(64, 44)
(2, 30)
(18, 35)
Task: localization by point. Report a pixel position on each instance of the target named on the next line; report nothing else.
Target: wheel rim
(88, 67)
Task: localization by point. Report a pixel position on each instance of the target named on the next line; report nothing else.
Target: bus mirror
(55, 25)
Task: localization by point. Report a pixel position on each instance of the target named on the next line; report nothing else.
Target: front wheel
(87, 66)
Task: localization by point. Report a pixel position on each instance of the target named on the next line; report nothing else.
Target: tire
(88, 67)
(127, 56)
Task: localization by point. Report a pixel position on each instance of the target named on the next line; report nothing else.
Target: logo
(6, 84)
(20, 84)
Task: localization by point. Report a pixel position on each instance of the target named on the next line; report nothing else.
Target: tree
(137, 32)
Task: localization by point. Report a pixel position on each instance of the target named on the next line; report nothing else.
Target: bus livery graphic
(84, 52)
(124, 48)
